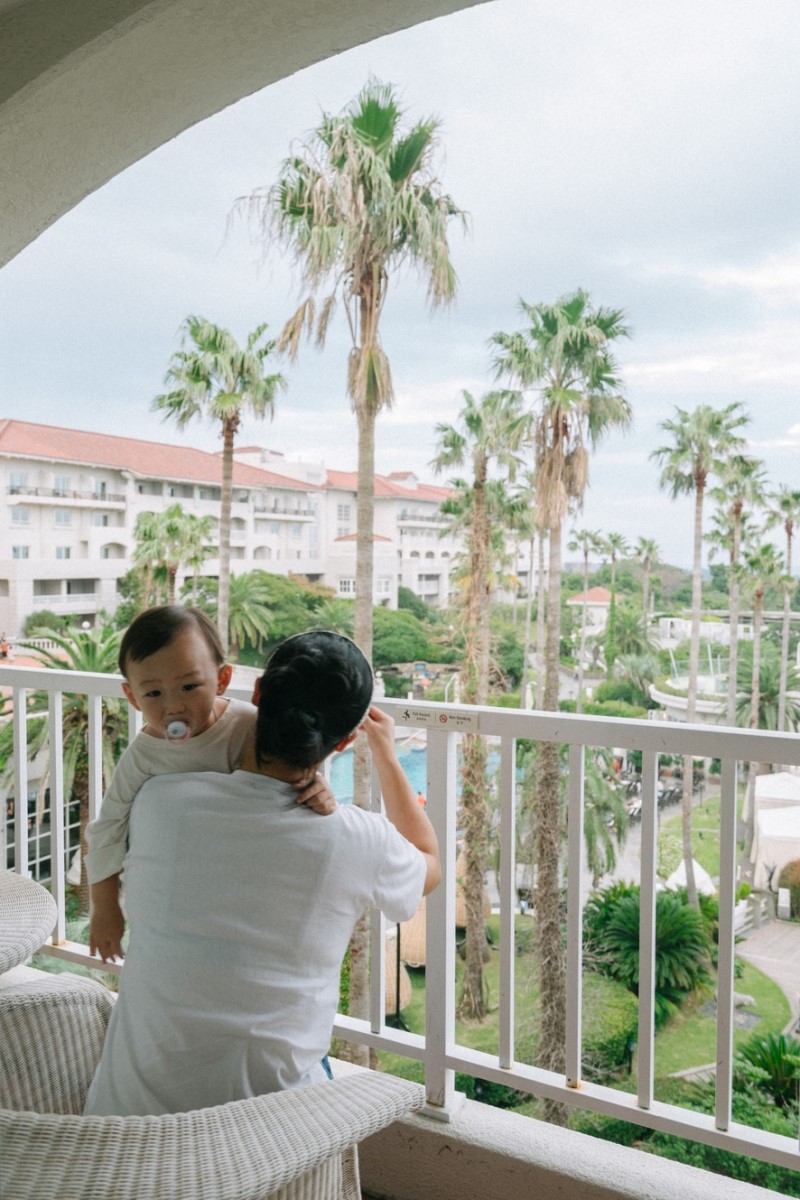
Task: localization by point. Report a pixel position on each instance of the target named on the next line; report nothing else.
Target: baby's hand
(318, 796)
(106, 927)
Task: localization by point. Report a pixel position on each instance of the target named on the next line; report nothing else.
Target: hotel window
(297, 530)
(20, 515)
(347, 587)
(20, 551)
(61, 485)
(99, 518)
(63, 552)
(63, 516)
(17, 480)
(384, 585)
(274, 526)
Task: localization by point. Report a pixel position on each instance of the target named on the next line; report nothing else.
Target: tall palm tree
(615, 546)
(740, 490)
(563, 358)
(761, 569)
(541, 609)
(699, 441)
(212, 376)
(769, 689)
(168, 541)
(335, 614)
(784, 509)
(355, 204)
(93, 650)
(588, 542)
(487, 437)
(647, 552)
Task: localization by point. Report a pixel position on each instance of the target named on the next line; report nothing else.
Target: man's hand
(317, 795)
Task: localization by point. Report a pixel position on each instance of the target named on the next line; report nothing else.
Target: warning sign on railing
(438, 718)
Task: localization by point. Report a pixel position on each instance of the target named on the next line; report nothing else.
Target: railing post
(508, 899)
(725, 939)
(575, 915)
(647, 928)
(58, 870)
(21, 781)
(440, 930)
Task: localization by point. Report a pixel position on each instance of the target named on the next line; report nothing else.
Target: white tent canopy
(776, 842)
(703, 881)
(778, 789)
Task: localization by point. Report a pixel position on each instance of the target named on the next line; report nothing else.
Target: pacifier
(177, 731)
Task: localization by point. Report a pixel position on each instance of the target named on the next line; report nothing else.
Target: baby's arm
(318, 796)
(399, 798)
(107, 922)
(107, 838)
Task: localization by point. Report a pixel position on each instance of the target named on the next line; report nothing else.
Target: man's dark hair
(315, 690)
(156, 627)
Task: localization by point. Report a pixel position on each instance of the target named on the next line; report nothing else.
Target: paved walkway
(775, 950)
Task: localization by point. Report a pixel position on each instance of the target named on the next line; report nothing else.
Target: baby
(176, 676)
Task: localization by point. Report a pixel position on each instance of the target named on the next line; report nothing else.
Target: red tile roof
(351, 537)
(150, 460)
(387, 486)
(595, 595)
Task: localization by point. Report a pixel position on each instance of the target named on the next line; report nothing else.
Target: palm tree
(648, 554)
(93, 650)
(588, 542)
(489, 434)
(785, 510)
(605, 818)
(771, 677)
(168, 541)
(631, 633)
(741, 488)
(761, 568)
(615, 545)
(700, 439)
(355, 204)
(563, 356)
(218, 379)
(337, 615)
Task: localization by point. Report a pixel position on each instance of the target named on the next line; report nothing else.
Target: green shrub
(616, 689)
(614, 708)
(483, 1090)
(610, 1024)
(790, 878)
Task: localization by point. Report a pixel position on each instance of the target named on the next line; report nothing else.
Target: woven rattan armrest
(245, 1150)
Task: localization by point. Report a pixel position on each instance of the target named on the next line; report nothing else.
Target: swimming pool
(413, 761)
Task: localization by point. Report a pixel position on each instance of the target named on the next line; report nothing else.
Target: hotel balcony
(459, 1148)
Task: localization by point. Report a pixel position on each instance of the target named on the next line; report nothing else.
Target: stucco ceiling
(88, 88)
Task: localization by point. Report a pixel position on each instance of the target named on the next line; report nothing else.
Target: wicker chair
(295, 1145)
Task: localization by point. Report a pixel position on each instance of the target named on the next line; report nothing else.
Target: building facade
(69, 501)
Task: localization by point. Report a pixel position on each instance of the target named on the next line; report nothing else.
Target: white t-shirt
(220, 748)
(241, 905)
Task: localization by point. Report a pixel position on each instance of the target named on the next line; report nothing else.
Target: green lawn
(688, 1040)
(705, 835)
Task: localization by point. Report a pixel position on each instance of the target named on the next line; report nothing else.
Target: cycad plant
(611, 931)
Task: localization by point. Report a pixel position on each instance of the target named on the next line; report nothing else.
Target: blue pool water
(413, 762)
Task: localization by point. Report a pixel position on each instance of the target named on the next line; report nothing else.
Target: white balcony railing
(438, 1049)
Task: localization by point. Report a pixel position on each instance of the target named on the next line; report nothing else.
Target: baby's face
(177, 686)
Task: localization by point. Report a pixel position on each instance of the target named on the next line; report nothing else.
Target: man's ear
(224, 677)
(256, 693)
(346, 741)
(126, 687)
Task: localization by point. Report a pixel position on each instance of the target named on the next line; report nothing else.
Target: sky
(642, 152)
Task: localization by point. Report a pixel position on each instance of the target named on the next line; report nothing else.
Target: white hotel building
(69, 502)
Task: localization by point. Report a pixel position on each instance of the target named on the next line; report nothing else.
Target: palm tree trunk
(526, 652)
(579, 699)
(787, 609)
(548, 841)
(223, 594)
(471, 1004)
(691, 703)
(365, 505)
(733, 617)
(755, 704)
(541, 631)
(646, 591)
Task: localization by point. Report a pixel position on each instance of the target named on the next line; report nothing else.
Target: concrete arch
(87, 89)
